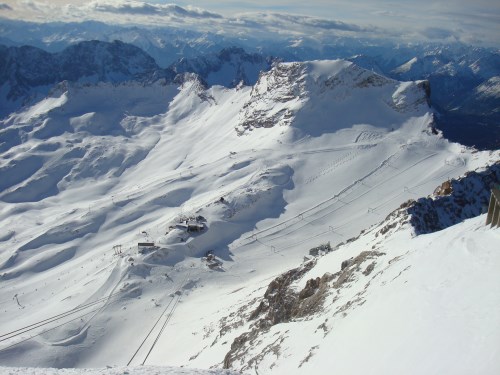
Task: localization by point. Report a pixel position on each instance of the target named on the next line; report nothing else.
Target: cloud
(319, 23)
(39, 7)
(493, 17)
(34, 5)
(148, 9)
(407, 20)
(436, 33)
(297, 23)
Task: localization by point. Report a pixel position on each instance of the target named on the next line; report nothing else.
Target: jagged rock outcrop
(282, 303)
(453, 201)
(229, 67)
(93, 61)
(279, 302)
(467, 197)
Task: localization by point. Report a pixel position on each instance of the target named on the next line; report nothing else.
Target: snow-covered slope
(485, 98)
(28, 73)
(94, 170)
(134, 370)
(78, 132)
(402, 304)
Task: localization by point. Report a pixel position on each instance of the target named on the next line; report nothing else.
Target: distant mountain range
(464, 81)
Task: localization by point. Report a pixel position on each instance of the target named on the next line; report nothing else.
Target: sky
(473, 22)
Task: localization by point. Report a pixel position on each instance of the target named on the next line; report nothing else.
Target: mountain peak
(291, 92)
(227, 68)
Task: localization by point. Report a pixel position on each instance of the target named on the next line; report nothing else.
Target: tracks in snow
(335, 203)
(75, 314)
(167, 313)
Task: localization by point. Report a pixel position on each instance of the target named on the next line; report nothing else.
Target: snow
(490, 88)
(143, 370)
(94, 167)
(406, 67)
(429, 308)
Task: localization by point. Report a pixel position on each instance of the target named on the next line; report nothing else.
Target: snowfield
(405, 304)
(142, 370)
(226, 189)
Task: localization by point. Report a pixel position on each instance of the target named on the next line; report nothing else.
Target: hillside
(225, 189)
(389, 297)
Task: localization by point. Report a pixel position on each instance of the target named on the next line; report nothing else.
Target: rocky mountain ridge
(290, 92)
(229, 67)
(87, 62)
(27, 73)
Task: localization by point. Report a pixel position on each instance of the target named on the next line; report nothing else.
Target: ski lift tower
(493, 217)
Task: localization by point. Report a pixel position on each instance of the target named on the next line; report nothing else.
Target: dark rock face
(113, 62)
(346, 263)
(29, 71)
(24, 69)
(453, 201)
(459, 79)
(243, 67)
(461, 199)
(37, 67)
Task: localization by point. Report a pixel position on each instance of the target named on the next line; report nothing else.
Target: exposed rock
(444, 189)
(346, 263)
(468, 197)
(282, 304)
(279, 300)
(369, 269)
(24, 68)
(353, 266)
(324, 248)
(243, 67)
(311, 286)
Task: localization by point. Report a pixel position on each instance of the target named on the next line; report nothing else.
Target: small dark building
(144, 247)
(194, 226)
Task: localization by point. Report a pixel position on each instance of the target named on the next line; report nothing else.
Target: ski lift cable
(149, 333)
(51, 329)
(162, 329)
(156, 323)
(169, 316)
(328, 200)
(51, 319)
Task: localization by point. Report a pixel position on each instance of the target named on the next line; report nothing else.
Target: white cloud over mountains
(142, 8)
(433, 21)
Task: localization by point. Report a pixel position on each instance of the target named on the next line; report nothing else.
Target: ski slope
(314, 152)
(405, 304)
